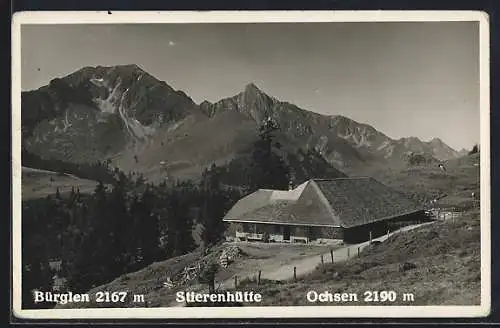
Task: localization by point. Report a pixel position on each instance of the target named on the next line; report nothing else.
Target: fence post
(235, 282)
(322, 263)
(358, 249)
(258, 279)
(331, 254)
(370, 237)
(388, 232)
(348, 252)
(295, 274)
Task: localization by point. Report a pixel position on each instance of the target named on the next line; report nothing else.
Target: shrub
(207, 276)
(407, 266)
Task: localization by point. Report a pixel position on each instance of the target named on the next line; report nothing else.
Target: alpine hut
(323, 210)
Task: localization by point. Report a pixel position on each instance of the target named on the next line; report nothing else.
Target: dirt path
(279, 270)
(308, 264)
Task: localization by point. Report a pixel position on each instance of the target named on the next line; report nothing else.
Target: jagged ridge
(123, 112)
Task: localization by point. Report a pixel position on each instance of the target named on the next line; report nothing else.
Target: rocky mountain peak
(107, 95)
(112, 105)
(252, 88)
(340, 120)
(347, 125)
(109, 76)
(411, 142)
(252, 92)
(207, 107)
(134, 67)
(437, 141)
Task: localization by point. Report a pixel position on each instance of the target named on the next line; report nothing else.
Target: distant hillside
(40, 183)
(419, 159)
(126, 116)
(453, 186)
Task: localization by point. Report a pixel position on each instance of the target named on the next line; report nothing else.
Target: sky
(403, 78)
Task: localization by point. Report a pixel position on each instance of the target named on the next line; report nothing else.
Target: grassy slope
(443, 268)
(443, 260)
(149, 281)
(424, 183)
(40, 183)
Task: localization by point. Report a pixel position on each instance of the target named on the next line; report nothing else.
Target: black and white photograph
(189, 165)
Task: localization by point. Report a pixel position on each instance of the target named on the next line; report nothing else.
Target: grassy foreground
(438, 263)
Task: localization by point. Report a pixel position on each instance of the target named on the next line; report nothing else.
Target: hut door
(286, 233)
(311, 233)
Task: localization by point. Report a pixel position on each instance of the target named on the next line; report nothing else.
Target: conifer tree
(36, 273)
(178, 224)
(119, 226)
(150, 230)
(146, 226)
(213, 206)
(474, 150)
(268, 170)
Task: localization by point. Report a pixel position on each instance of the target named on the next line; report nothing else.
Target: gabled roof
(345, 202)
(249, 203)
(275, 212)
(363, 200)
(261, 198)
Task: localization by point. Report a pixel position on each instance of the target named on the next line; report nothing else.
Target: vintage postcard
(250, 164)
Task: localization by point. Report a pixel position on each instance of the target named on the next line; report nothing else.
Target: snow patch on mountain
(108, 105)
(133, 126)
(389, 151)
(359, 138)
(97, 82)
(384, 145)
(176, 125)
(66, 122)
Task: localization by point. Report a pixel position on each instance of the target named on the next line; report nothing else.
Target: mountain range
(139, 123)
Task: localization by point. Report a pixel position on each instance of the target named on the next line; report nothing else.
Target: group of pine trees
(117, 229)
(129, 224)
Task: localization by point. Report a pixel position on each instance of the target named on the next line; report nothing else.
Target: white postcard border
(145, 17)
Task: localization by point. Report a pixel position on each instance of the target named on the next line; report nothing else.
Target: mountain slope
(141, 124)
(309, 129)
(96, 112)
(342, 141)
